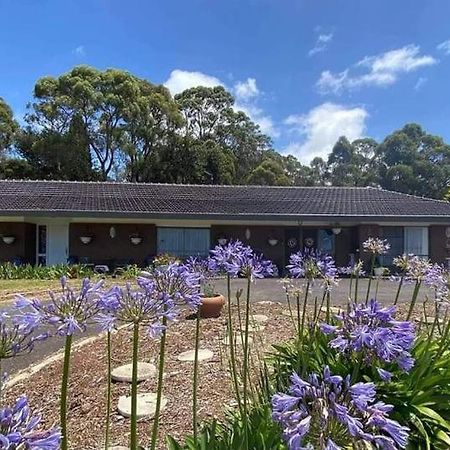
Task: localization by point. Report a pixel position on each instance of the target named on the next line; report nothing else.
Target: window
(394, 235)
(41, 245)
(416, 241)
(183, 242)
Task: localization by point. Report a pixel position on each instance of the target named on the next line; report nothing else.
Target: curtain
(416, 240)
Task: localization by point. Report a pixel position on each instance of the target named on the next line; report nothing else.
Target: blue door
(183, 242)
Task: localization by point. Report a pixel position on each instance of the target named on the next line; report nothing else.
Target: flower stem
(64, 390)
(231, 342)
(414, 299)
(246, 361)
(108, 389)
(195, 381)
(372, 265)
(400, 284)
(162, 354)
(304, 308)
(133, 424)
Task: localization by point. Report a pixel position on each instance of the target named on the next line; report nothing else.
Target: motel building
(115, 224)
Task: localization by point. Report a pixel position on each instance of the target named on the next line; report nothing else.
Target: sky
(307, 71)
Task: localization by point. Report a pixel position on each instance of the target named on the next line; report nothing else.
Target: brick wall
(24, 247)
(106, 250)
(439, 244)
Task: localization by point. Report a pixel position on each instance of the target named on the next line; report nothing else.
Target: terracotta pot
(211, 306)
(378, 271)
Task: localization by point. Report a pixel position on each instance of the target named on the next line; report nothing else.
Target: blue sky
(306, 70)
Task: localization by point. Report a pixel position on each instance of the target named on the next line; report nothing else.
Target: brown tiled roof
(58, 198)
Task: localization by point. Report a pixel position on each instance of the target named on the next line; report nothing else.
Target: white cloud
(380, 70)
(419, 83)
(180, 80)
(246, 94)
(79, 51)
(445, 47)
(321, 43)
(322, 126)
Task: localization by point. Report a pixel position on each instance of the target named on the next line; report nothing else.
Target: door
(57, 244)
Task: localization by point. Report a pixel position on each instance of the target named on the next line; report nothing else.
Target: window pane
(394, 235)
(416, 240)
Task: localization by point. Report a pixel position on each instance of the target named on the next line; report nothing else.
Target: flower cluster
(235, 258)
(415, 268)
(16, 336)
(69, 311)
(328, 412)
(437, 278)
(313, 264)
(376, 246)
(159, 294)
(18, 429)
(373, 333)
(353, 270)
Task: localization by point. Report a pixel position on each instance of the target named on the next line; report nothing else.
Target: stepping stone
(118, 447)
(123, 373)
(288, 313)
(146, 405)
(189, 356)
(333, 310)
(237, 339)
(266, 302)
(259, 318)
(254, 328)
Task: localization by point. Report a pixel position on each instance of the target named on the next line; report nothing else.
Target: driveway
(262, 290)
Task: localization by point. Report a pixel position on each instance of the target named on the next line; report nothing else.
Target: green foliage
(9, 271)
(8, 126)
(422, 398)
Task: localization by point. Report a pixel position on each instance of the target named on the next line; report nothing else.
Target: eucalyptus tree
(8, 125)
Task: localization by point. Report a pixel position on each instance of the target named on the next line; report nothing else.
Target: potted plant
(212, 302)
(135, 239)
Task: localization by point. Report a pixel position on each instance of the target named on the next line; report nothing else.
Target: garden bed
(88, 380)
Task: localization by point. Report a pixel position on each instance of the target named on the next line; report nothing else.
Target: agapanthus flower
(328, 412)
(437, 278)
(354, 270)
(159, 294)
(69, 311)
(313, 264)
(17, 336)
(19, 429)
(235, 258)
(376, 246)
(414, 267)
(372, 333)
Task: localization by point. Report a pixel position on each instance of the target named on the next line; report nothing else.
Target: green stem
(414, 299)
(372, 265)
(328, 306)
(133, 423)
(350, 287)
(231, 342)
(304, 307)
(195, 381)
(108, 389)
(400, 284)
(162, 354)
(64, 390)
(246, 358)
(299, 322)
(356, 287)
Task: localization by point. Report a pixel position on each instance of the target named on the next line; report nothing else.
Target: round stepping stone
(123, 373)
(259, 318)
(254, 328)
(189, 356)
(237, 339)
(146, 405)
(333, 310)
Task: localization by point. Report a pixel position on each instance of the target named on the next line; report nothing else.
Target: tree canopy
(90, 124)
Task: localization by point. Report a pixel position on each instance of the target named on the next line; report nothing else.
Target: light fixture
(8, 239)
(336, 230)
(248, 234)
(135, 239)
(86, 239)
(112, 232)
(272, 241)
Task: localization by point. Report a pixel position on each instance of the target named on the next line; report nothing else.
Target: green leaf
(428, 412)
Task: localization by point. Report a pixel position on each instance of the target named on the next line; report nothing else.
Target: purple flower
(68, 311)
(376, 246)
(314, 413)
(354, 270)
(437, 278)
(18, 429)
(17, 336)
(158, 296)
(235, 258)
(313, 264)
(374, 335)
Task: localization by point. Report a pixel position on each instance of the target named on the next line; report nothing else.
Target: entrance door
(57, 244)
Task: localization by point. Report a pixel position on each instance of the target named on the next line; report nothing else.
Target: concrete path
(268, 289)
